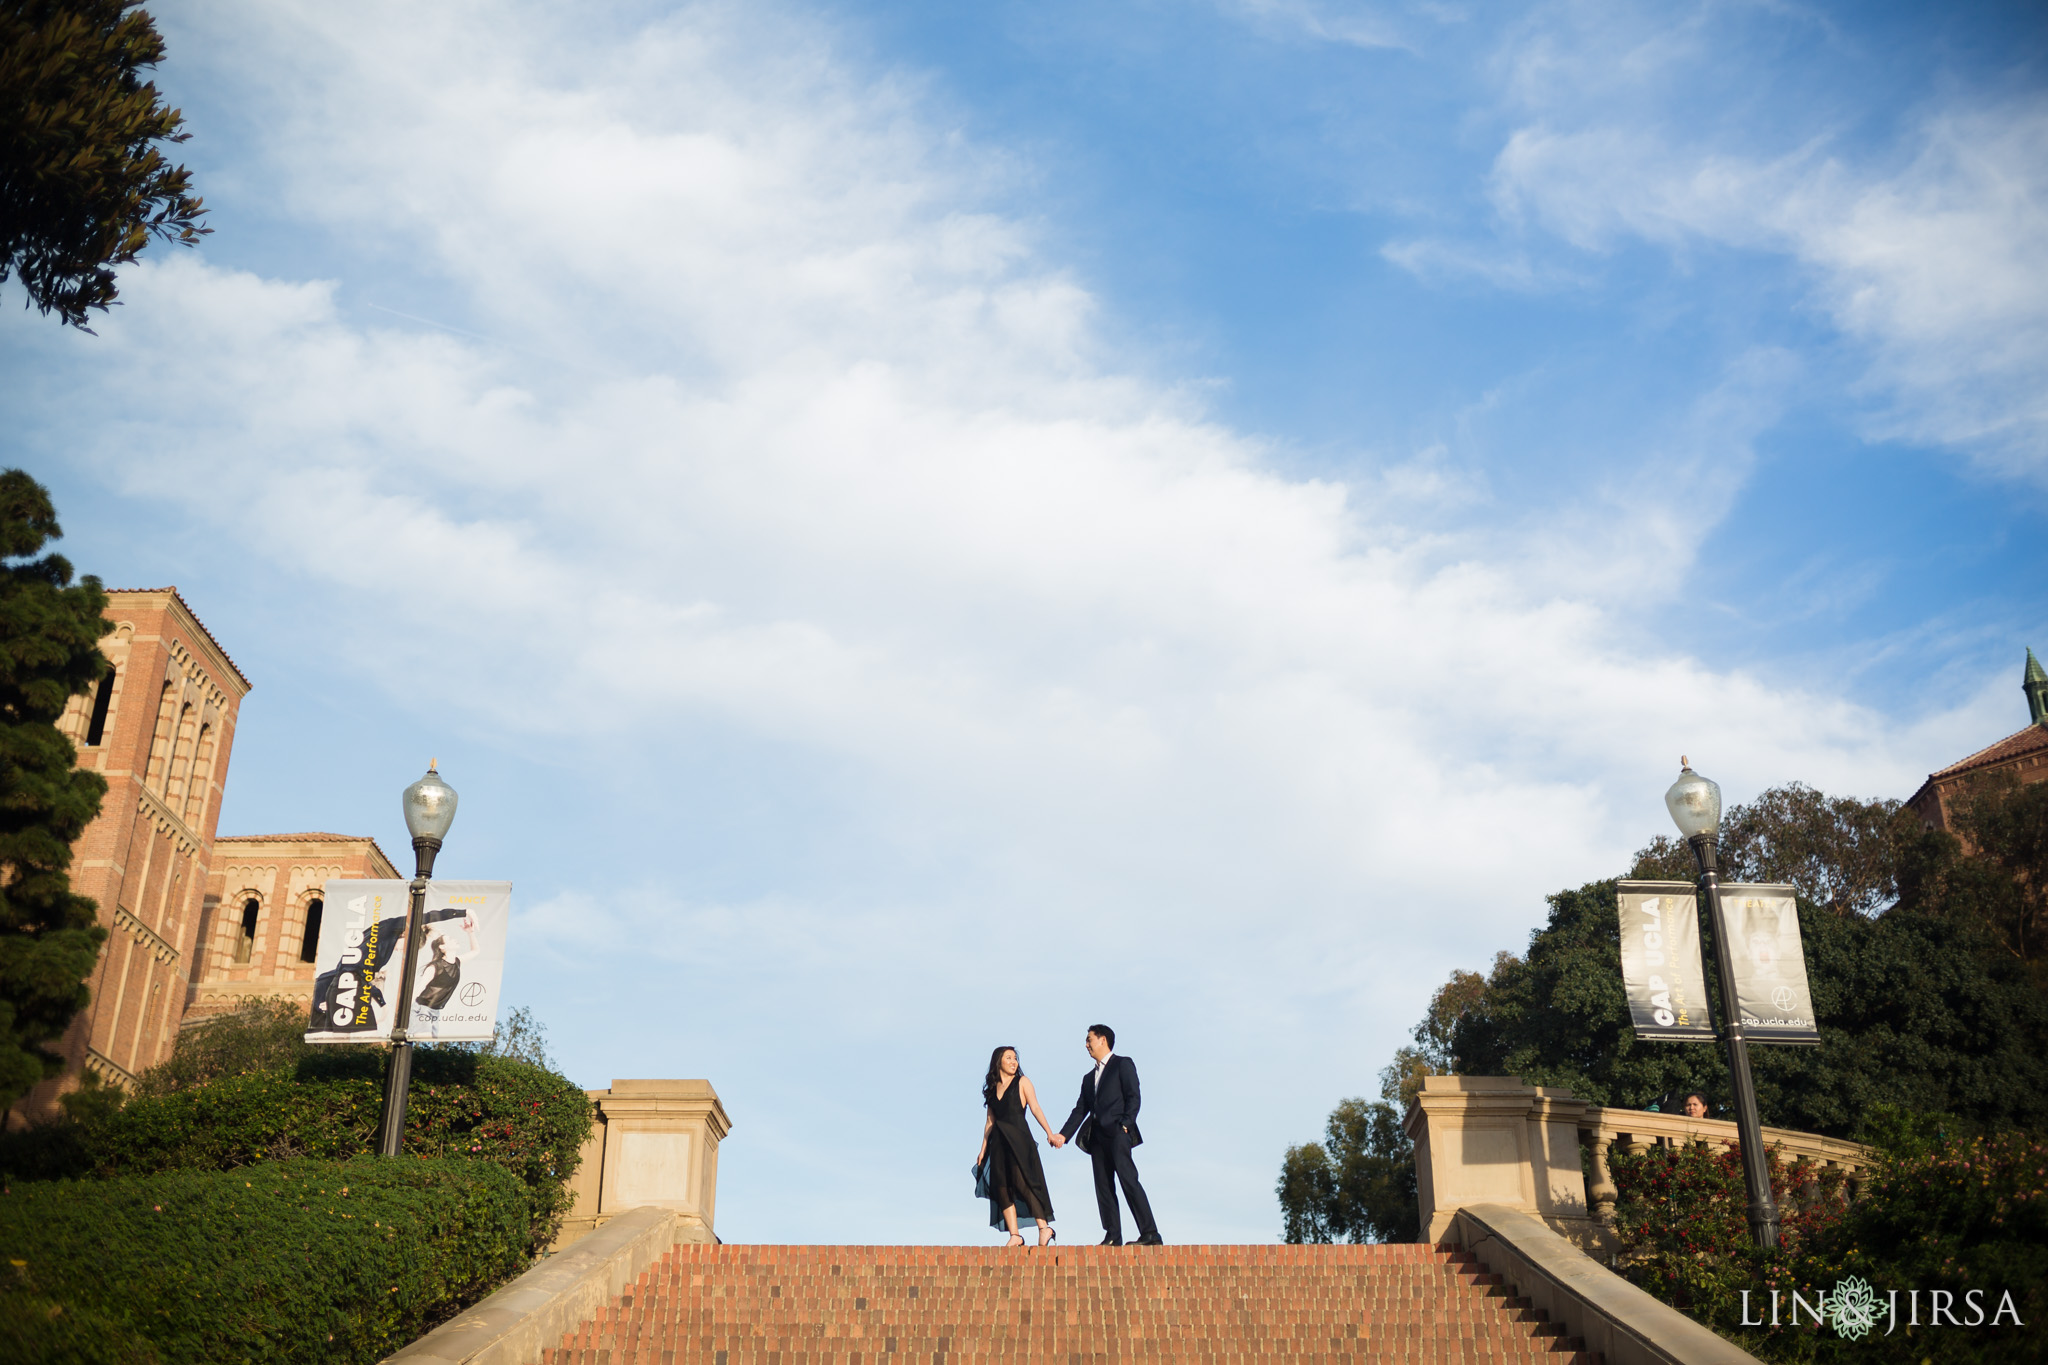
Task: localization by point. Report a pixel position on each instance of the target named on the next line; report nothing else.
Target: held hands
(1056, 1139)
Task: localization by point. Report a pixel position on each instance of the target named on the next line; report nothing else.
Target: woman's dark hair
(1699, 1095)
(995, 1073)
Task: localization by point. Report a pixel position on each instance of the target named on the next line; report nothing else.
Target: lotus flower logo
(1852, 1308)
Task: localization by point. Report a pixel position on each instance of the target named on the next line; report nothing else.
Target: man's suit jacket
(1115, 1106)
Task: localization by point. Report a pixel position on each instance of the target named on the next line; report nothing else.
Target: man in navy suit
(1109, 1107)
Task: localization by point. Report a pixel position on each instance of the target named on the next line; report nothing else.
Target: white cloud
(786, 430)
(1935, 265)
(1923, 247)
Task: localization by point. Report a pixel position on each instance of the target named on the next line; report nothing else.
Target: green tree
(1358, 1185)
(49, 652)
(1918, 1007)
(1926, 956)
(1401, 1079)
(1840, 853)
(83, 184)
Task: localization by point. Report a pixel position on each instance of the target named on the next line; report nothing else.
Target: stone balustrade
(1493, 1140)
(1603, 1128)
(655, 1144)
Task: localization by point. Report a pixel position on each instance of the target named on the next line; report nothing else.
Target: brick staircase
(810, 1305)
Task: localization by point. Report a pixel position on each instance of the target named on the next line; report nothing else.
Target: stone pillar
(1493, 1140)
(1471, 1138)
(654, 1143)
(1601, 1191)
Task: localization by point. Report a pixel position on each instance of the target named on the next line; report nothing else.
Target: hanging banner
(355, 990)
(1660, 961)
(361, 960)
(1771, 988)
(462, 962)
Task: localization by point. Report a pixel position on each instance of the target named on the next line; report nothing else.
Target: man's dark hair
(1105, 1033)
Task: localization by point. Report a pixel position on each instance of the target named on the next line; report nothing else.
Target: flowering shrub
(1683, 1216)
(483, 1108)
(1953, 1216)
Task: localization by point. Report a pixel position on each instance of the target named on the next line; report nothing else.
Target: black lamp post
(429, 811)
(1695, 804)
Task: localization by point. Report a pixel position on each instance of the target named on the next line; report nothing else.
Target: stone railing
(1493, 1140)
(655, 1144)
(1602, 1129)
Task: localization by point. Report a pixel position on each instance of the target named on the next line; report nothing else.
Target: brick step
(809, 1305)
(959, 1351)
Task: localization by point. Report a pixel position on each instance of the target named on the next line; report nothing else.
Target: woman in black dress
(1015, 1177)
(446, 972)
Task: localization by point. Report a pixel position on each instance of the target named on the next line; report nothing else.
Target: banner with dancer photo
(1771, 988)
(1660, 961)
(462, 962)
(361, 960)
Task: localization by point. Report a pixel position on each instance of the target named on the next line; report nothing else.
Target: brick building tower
(196, 925)
(159, 728)
(2024, 754)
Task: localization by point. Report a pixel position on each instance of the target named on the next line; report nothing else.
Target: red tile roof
(2027, 741)
(246, 684)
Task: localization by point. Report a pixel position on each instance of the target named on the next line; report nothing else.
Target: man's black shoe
(1151, 1239)
(1112, 1240)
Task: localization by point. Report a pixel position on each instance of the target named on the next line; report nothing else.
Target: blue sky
(915, 527)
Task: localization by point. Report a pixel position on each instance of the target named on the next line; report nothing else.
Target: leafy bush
(302, 1261)
(263, 1035)
(1947, 1214)
(484, 1108)
(270, 1035)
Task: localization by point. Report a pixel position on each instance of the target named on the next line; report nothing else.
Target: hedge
(43, 1331)
(512, 1114)
(302, 1261)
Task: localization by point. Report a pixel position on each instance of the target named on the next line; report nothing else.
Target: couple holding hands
(1104, 1124)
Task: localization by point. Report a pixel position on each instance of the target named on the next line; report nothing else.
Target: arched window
(309, 948)
(153, 776)
(101, 702)
(245, 942)
(195, 786)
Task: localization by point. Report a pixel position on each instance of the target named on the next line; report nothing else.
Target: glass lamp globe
(430, 806)
(1694, 803)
